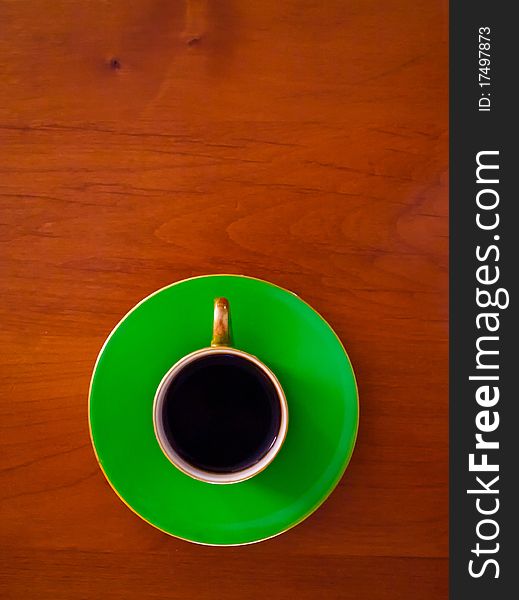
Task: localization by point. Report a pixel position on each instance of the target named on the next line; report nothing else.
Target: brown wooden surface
(303, 142)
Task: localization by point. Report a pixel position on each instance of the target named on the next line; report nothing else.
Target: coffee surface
(221, 413)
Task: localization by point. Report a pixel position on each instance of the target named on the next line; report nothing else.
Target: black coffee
(221, 413)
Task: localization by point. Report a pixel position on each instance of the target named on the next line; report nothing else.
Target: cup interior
(220, 415)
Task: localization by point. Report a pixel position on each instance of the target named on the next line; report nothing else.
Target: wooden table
(302, 142)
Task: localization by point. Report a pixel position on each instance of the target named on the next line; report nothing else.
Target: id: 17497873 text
(484, 103)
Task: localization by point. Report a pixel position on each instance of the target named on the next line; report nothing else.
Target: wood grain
(301, 142)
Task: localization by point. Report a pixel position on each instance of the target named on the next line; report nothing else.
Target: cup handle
(221, 323)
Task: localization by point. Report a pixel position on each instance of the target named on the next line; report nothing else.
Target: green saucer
(290, 338)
